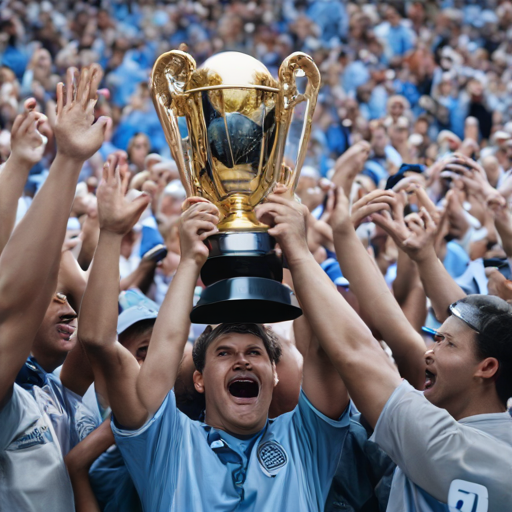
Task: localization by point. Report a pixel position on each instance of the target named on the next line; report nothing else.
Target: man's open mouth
(244, 388)
(430, 379)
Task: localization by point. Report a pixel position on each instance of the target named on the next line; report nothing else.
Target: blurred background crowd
(403, 82)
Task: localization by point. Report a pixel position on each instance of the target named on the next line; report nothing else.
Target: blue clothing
(456, 260)
(179, 464)
(15, 59)
(331, 17)
(400, 39)
(112, 484)
(355, 74)
(364, 475)
(71, 419)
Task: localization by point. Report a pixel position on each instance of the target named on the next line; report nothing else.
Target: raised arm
(368, 284)
(29, 262)
(321, 381)
(503, 223)
(158, 374)
(417, 240)
(356, 355)
(409, 292)
(80, 459)
(27, 149)
(114, 366)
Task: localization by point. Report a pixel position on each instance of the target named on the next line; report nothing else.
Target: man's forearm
(97, 324)
(377, 301)
(345, 338)
(504, 229)
(158, 374)
(439, 286)
(80, 459)
(12, 182)
(36, 243)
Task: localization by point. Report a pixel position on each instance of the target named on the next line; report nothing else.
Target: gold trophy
(228, 128)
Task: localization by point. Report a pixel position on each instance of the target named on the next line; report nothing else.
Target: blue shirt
(179, 464)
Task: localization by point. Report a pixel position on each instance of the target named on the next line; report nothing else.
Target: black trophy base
(245, 300)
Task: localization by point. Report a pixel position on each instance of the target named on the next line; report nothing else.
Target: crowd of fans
(402, 233)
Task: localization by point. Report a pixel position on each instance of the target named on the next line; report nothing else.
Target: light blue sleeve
(320, 440)
(10, 418)
(152, 452)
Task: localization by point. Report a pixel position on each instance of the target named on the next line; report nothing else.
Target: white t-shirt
(432, 450)
(33, 476)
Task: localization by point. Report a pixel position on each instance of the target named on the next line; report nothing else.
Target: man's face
(379, 141)
(396, 109)
(238, 380)
(55, 337)
(137, 344)
(451, 366)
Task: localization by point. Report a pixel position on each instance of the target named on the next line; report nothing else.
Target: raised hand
(349, 164)
(288, 224)
(27, 144)
(197, 222)
(78, 136)
(116, 213)
(374, 202)
(415, 234)
(473, 176)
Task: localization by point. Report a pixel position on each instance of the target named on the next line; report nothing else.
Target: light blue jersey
(178, 464)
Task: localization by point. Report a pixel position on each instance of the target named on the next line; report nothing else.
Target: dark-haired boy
(238, 458)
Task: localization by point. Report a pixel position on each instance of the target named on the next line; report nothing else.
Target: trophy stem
(240, 216)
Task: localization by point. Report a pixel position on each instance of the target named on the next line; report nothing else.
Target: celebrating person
(34, 475)
(295, 455)
(455, 439)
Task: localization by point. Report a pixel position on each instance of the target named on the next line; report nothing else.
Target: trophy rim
(227, 86)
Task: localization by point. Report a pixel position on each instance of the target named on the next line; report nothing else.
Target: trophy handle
(168, 83)
(297, 63)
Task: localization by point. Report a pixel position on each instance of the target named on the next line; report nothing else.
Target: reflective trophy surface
(228, 128)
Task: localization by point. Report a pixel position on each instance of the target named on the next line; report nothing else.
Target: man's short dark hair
(493, 319)
(269, 339)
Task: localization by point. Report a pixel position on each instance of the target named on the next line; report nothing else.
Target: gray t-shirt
(33, 476)
(432, 449)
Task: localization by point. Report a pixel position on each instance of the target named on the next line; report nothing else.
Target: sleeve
(151, 453)
(320, 440)
(433, 449)
(10, 418)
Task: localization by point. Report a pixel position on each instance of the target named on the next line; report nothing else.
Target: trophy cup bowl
(227, 126)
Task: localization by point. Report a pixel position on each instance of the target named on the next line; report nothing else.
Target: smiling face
(451, 366)
(238, 379)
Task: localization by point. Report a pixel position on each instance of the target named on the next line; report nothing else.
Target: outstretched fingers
(375, 195)
(425, 202)
(367, 210)
(70, 85)
(112, 163)
(83, 82)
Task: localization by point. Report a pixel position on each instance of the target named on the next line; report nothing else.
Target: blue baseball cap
(135, 307)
